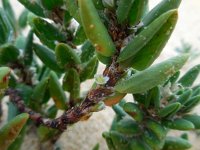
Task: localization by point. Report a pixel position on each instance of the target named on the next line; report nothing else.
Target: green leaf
(184, 136)
(72, 7)
(137, 11)
(79, 36)
(152, 140)
(98, 4)
(153, 96)
(169, 109)
(23, 18)
(127, 126)
(195, 119)
(45, 133)
(96, 147)
(39, 90)
(43, 72)
(9, 12)
(47, 97)
(150, 52)
(28, 50)
(176, 143)
(189, 77)
(87, 51)
(25, 92)
(42, 37)
(137, 45)
(163, 7)
(140, 98)
(12, 81)
(47, 56)
(51, 4)
(157, 95)
(66, 56)
(157, 74)
(6, 29)
(12, 111)
(56, 92)
(89, 69)
(157, 129)
(183, 98)
(114, 122)
(8, 53)
(103, 59)
(179, 124)
(120, 113)
(20, 42)
(106, 136)
(33, 6)
(48, 30)
(173, 78)
(196, 91)
(4, 74)
(191, 103)
(71, 83)
(95, 29)
(52, 112)
(97, 107)
(123, 9)
(119, 141)
(138, 144)
(16, 145)
(67, 19)
(134, 111)
(11, 130)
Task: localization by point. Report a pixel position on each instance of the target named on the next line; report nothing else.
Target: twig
(76, 113)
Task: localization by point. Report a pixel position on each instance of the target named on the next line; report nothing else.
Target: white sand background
(84, 135)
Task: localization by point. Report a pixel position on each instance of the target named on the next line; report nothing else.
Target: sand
(84, 135)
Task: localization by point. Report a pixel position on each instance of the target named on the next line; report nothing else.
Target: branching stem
(76, 113)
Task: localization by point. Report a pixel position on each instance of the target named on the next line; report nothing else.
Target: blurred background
(186, 38)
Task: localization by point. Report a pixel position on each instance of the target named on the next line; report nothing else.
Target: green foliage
(164, 23)
(33, 7)
(56, 91)
(47, 56)
(4, 74)
(155, 75)
(155, 122)
(8, 53)
(10, 131)
(124, 35)
(6, 28)
(66, 56)
(94, 29)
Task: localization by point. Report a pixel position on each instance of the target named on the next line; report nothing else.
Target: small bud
(100, 79)
(98, 107)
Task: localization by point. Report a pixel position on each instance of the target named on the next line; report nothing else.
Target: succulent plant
(42, 72)
(144, 123)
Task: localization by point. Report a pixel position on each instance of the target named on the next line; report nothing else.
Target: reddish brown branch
(74, 114)
(18, 101)
(71, 116)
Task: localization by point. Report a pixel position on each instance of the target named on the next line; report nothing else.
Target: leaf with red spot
(4, 74)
